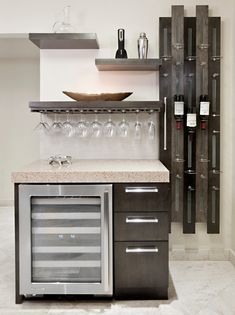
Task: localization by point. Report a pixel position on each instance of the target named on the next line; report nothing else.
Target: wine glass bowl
(151, 126)
(68, 129)
(109, 128)
(82, 128)
(57, 126)
(123, 127)
(42, 127)
(96, 127)
(138, 127)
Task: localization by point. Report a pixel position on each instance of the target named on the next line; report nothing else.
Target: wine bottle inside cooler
(121, 52)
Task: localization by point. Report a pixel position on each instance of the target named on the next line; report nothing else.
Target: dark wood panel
(189, 213)
(141, 201)
(165, 94)
(65, 41)
(189, 204)
(165, 90)
(141, 275)
(202, 134)
(128, 64)
(177, 135)
(213, 216)
(124, 231)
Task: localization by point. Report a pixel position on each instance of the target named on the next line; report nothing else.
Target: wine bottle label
(191, 120)
(179, 108)
(204, 108)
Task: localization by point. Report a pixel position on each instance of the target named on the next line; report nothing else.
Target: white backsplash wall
(105, 17)
(103, 147)
(75, 70)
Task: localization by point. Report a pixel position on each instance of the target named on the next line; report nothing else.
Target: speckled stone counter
(93, 171)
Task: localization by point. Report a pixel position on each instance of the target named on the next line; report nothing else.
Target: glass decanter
(64, 26)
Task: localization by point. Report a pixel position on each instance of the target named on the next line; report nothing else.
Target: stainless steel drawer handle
(140, 219)
(147, 249)
(141, 189)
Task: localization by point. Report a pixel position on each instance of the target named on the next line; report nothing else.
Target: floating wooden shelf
(128, 64)
(65, 40)
(92, 106)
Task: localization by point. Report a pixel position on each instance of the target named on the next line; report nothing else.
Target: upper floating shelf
(93, 106)
(65, 40)
(128, 64)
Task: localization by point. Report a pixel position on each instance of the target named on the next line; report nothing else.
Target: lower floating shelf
(95, 106)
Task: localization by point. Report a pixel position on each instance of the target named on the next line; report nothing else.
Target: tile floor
(197, 287)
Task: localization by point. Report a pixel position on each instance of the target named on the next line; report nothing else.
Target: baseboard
(6, 203)
(201, 254)
(232, 256)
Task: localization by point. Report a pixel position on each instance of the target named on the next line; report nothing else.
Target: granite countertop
(93, 171)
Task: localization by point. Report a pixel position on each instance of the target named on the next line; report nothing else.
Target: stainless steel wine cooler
(70, 248)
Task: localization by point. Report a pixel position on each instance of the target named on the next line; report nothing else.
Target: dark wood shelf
(65, 40)
(91, 106)
(128, 64)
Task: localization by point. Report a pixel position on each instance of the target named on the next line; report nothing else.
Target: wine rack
(190, 91)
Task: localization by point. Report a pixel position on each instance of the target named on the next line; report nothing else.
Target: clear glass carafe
(64, 26)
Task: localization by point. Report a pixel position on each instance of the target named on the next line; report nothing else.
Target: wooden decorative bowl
(98, 97)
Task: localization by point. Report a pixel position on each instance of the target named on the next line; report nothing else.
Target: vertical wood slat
(177, 153)
(189, 214)
(213, 217)
(165, 93)
(165, 88)
(202, 135)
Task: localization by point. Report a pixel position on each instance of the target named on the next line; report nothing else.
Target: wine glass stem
(67, 14)
(123, 116)
(137, 117)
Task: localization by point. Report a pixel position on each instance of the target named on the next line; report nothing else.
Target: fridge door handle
(106, 240)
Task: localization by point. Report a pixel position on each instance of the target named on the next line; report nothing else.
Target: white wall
(75, 71)
(104, 17)
(18, 145)
(233, 186)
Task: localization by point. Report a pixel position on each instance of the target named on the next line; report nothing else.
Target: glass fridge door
(66, 239)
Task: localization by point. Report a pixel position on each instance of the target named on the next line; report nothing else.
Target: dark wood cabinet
(141, 270)
(139, 226)
(141, 240)
(141, 197)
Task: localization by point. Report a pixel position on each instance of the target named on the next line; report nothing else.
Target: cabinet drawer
(141, 197)
(140, 226)
(141, 270)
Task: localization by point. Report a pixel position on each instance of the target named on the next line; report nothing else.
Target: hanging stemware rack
(99, 107)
